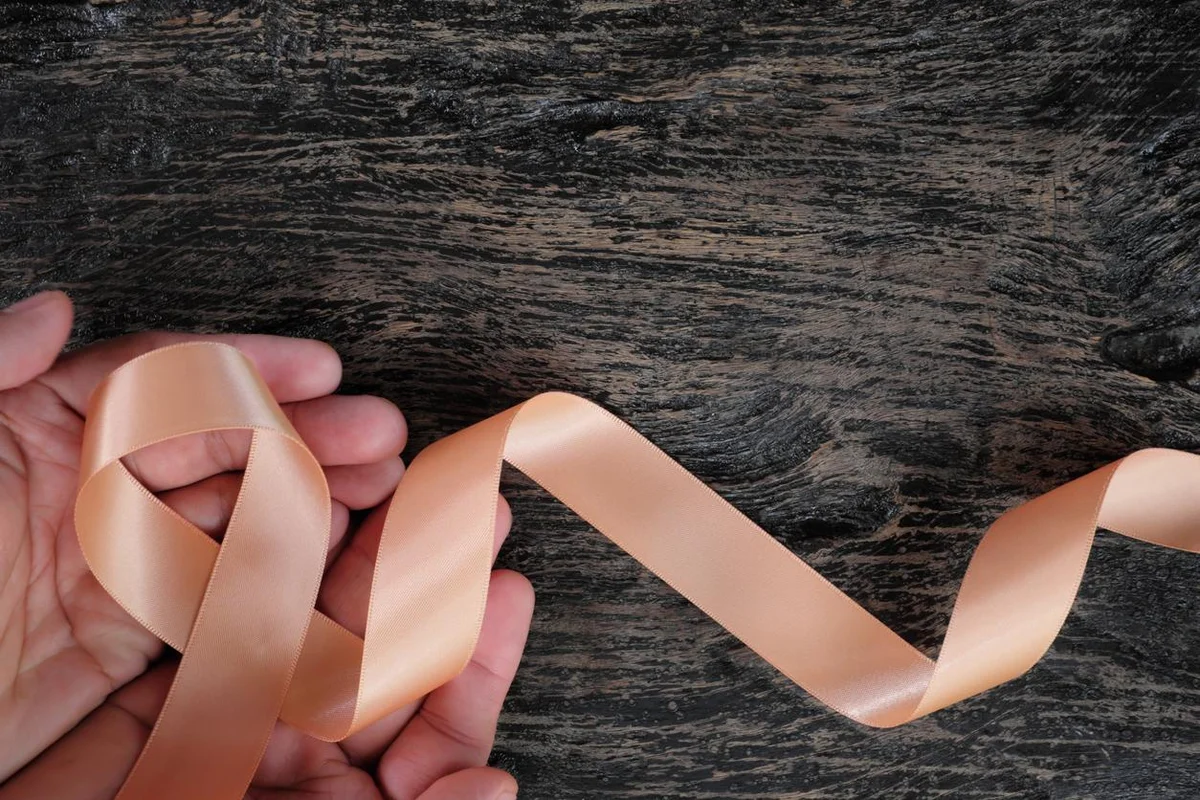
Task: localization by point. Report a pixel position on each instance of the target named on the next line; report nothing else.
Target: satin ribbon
(255, 650)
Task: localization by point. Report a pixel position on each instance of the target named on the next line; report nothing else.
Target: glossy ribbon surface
(255, 650)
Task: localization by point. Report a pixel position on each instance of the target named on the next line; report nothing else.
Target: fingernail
(506, 795)
(30, 303)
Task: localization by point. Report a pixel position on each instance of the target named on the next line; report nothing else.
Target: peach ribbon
(255, 650)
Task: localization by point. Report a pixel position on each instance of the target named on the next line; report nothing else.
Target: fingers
(294, 369)
(478, 783)
(362, 486)
(32, 334)
(344, 597)
(209, 505)
(456, 724)
(350, 429)
(339, 430)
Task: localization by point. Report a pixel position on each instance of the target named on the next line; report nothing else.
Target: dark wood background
(877, 271)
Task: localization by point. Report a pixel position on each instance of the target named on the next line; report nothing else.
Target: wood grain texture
(877, 271)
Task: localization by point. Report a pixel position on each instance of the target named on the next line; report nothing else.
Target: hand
(83, 681)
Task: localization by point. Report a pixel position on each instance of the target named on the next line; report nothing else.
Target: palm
(74, 665)
(60, 628)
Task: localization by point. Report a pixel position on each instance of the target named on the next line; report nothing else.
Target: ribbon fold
(255, 650)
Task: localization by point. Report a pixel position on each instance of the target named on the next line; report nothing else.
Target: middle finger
(339, 430)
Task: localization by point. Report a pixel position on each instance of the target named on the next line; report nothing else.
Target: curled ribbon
(255, 650)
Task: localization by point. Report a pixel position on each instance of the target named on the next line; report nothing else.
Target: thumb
(32, 334)
(477, 783)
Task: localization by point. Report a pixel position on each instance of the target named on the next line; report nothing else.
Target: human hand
(81, 681)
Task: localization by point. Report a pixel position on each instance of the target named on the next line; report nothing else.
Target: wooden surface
(877, 271)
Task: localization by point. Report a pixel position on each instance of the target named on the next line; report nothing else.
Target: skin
(81, 682)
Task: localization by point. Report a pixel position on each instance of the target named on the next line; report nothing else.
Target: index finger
(294, 369)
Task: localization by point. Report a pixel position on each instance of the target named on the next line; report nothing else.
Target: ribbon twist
(255, 650)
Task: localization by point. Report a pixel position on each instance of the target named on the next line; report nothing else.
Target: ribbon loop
(240, 652)
(255, 649)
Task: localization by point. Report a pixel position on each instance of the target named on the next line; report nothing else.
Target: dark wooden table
(877, 271)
